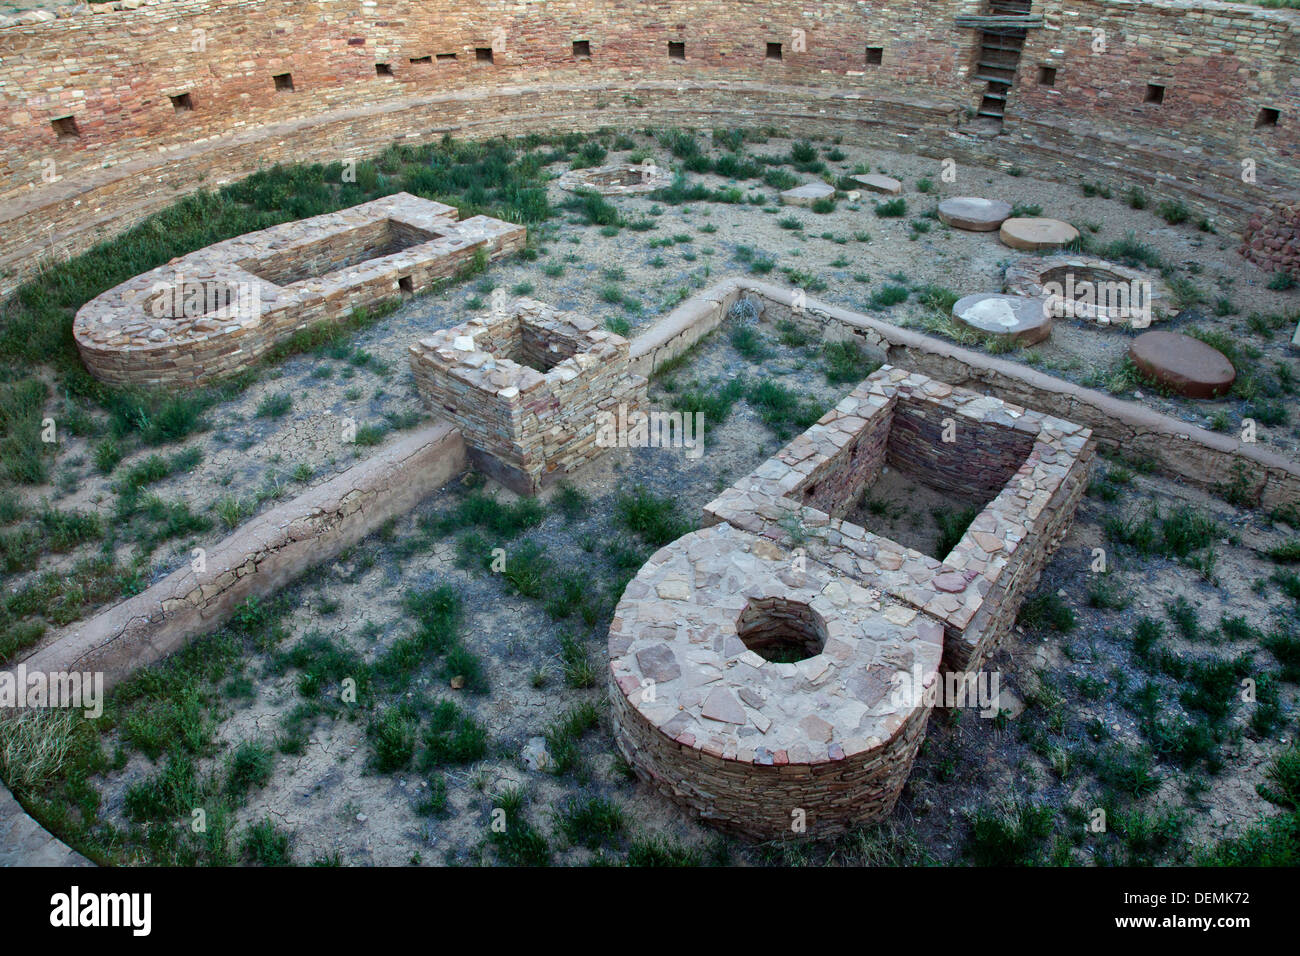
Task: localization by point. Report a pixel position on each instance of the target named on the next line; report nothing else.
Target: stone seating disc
(1183, 364)
(1015, 318)
(807, 194)
(1033, 234)
(879, 184)
(974, 214)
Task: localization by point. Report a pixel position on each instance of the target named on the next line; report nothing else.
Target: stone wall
(220, 309)
(767, 748)
(529, 387)
(1272, 239)
(973, 461)
(261, 556)
(1039, 463)
(169, 97)
(1201, 458)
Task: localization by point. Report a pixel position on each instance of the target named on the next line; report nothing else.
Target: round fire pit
(617, 179)
(1092, 290)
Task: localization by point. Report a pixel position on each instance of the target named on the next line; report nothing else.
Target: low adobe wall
(262, 556)
(1201, 458)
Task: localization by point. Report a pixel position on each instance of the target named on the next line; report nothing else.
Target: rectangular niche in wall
(1267, 117)
(182, 103)
(65, 127)
(283, 82)
(383, 69)
(875, 55)
(676, 49)
(582, 49)
(1155, 93)
(1047, 76)
(446, 57)
(483, 54)
(420, 60)
(774, 51)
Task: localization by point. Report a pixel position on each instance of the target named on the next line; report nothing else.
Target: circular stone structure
(974, 214)
(1035, 234)
(617, 179)
(1092, 290)
(1183, 364)
(1010, 318)
(748, 684)
(807, 194)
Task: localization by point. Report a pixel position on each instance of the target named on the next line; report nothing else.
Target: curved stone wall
(754, 744)
(108, 113)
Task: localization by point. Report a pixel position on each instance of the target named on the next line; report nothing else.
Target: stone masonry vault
(527, 385)
(218, 310)
(775, 661)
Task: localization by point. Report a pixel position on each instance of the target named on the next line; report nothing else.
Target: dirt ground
(1072, 680)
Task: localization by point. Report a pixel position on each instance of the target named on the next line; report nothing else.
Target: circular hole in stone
(781, 631)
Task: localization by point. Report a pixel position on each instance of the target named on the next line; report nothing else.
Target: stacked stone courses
(744, 742)
(281, 280)
(122, 76)
(1035, 465)
(529, 387)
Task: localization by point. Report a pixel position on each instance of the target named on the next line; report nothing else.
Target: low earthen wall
(263, 555)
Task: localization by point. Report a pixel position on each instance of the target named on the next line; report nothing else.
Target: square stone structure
(528, 386)
(1032, 469)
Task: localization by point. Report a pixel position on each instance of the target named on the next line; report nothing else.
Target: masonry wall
(979, 460)
(114, 72)
(756, 801)
(837, 485)
(970, 648)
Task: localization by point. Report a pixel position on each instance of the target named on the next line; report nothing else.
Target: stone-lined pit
(780, 630)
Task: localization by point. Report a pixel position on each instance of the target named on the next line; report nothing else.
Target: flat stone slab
(1012, 318)
(879, 184)
(1183, 364)
(1034, 234)
(974, 214)
(807, 194)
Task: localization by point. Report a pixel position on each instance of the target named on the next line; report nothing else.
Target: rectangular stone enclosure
(218, 310)
(527, 386)
(1029, 467)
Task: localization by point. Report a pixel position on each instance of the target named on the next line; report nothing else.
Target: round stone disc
(1037, 233)
(1015, 318)
(1183, 364)
(973, 213)
(879, 184)
(807, 194)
